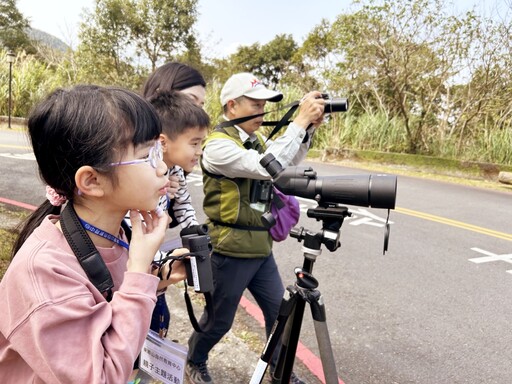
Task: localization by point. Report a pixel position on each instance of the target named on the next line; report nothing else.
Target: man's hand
(311, 110)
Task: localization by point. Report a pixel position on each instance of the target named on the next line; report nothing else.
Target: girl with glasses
(97, 150)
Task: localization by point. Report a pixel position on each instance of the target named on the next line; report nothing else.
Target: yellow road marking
(455, 223)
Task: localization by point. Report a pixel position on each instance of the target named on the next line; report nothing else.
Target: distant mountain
(47, 39)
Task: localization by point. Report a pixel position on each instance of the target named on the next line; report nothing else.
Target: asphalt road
(434, 309)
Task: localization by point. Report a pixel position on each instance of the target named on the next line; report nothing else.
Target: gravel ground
(231, 361)
(234, 358)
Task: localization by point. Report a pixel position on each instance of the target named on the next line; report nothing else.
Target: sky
(223, 25)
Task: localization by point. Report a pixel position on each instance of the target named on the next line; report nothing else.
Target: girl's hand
(148, 231)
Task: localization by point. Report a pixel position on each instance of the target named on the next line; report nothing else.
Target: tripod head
(332, 218)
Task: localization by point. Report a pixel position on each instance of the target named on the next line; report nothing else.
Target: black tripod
(287, 326)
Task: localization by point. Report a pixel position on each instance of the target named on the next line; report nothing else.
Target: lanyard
(91, 228)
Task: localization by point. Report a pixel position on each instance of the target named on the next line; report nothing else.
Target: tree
(120, 38)
(162, 29)
(13, 27)
(104, 41)
(273, 63)
(481, 112)
(397, 58)
(319, 52)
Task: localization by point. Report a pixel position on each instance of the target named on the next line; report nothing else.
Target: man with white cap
(242, 255)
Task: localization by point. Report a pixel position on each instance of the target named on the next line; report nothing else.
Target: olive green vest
(227, 202)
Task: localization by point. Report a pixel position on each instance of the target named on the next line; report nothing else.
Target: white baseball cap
(246, 84)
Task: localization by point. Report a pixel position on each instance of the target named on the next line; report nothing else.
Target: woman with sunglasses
(97, 150)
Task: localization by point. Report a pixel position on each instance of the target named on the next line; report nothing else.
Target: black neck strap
(277, 124)
(285, 120)
(208, 310)
(85, 251)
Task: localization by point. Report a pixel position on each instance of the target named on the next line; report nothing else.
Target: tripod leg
(286, 308)
(322, 336)
(290, 340)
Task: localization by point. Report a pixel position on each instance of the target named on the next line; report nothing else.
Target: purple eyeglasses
(155, 154)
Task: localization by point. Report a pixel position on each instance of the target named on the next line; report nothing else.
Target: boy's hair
(178, 112)
(84, 125)
(172, 76)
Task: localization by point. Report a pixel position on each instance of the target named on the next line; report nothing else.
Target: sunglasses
(154, 156)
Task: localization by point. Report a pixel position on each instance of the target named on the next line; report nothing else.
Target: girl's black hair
(84, 125)
(172, 76)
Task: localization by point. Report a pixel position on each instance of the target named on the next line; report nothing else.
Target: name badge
(162, 360)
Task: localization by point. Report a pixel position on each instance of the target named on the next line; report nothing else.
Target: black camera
(198, 266)
(334, 104)
(261, 191)
(261, 196)
(373, 190)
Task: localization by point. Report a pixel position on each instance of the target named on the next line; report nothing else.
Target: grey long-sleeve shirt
(225, 157)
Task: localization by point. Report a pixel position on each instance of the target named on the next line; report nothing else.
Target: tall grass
(366, 132)
(32, 79)
(375, 132)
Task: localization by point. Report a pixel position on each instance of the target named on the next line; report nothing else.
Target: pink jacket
(56, 327)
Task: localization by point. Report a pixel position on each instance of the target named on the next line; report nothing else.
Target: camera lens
(337, 104)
